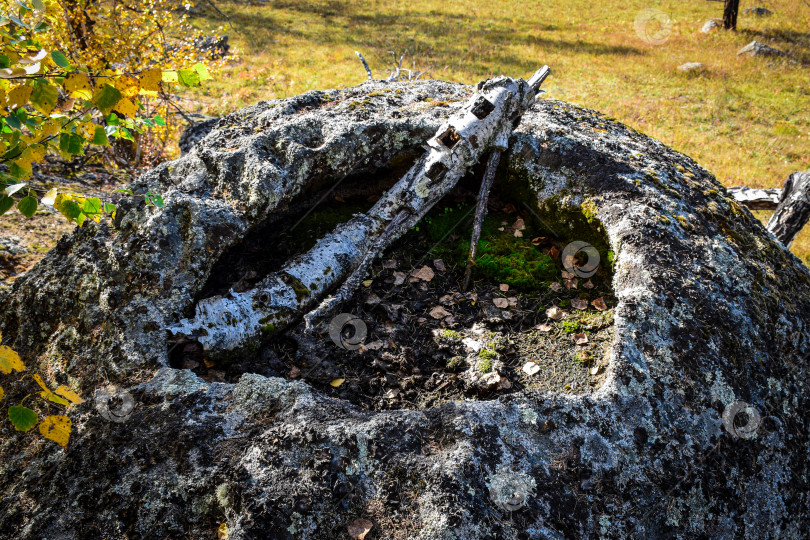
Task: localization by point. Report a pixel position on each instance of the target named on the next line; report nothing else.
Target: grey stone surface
(711, 25)
(758, 11)
(711, 311)
(691, 67)
(757, 48)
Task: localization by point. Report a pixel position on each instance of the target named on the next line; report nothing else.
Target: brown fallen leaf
(439, 312)
(399, 278)
(580, 339)
(509, 208)
(359, 528)
(600, 304)
(338, 198)
(504, 287)
(501, 303)
(539, 241)
(555, 313)
(544, 327)
(447, 299)
(512, 301)
(579, 303)
(571, 283)
(439, 265)
(556, 287)
(588, 284)
(425, 273)
(554, 252)
(567, 275)
(295, 372)
(390, 263)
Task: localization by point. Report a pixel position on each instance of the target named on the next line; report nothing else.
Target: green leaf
(44, 97)
(100, 137)
(120, 190)
(13, 121)
(27, 206)
(38, 4)
(123, 133)
(80, 218)
(109, 208)
(106, 98)
(202, 71)
(60, 59)
(6, 203)
(159, 120)
(22, 418)
(188, 77)
(154, 198)
(42, 26)
(92, 206)
(71, 143)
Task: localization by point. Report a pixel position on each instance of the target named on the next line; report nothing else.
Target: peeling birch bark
(793, 211)
(756, 199)
(228, 323)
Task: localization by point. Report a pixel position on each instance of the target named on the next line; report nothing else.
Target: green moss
(269, 328)
(484, 365)
(664, 220)
(487, 354)
(450, 334)
(571, 327)
(456, 364)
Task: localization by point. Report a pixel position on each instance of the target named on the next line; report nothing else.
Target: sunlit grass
(745, 119)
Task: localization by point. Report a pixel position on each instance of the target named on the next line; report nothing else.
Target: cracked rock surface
(711, 311)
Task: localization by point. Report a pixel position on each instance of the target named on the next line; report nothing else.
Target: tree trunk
(730, 11)
(793, 210)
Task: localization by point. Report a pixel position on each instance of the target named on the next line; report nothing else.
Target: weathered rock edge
(711, 310)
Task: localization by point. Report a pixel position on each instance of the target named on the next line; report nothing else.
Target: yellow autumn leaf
(19, 96)
(2, 97)
(78, 85)
(2, 393)
(47, 393)
(126, 107)
(169, 77)
(222, 532)
(37, 152)
(150, 81)
(337, 382)
(66, 392)
(50, 128)
(10, 360)
(56, 428)
(87, 129)
(127, 85)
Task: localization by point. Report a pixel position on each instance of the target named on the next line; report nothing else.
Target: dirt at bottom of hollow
(416, 340)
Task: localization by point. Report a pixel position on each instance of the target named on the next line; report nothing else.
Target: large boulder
(711, 328)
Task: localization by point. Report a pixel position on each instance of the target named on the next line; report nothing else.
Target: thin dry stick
(481, 211)
(365, 65)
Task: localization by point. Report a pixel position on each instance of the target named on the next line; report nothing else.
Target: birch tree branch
(231, 322)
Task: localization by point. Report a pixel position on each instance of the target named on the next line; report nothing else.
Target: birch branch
(793, 211)
(231, 322)
(365, 65)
